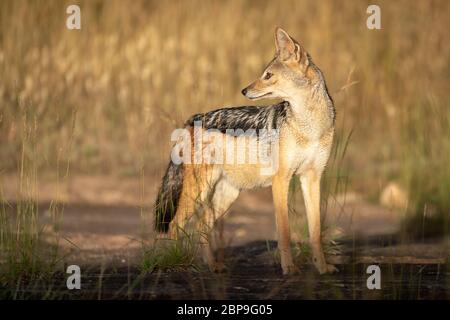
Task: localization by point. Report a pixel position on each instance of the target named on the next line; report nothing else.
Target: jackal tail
(168, 197)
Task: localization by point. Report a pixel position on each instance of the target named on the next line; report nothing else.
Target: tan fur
(304, 146)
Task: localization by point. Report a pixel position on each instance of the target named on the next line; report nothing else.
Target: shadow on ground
(252, 274)
(104, 238)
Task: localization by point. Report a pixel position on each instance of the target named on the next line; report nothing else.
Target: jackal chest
(302, 152)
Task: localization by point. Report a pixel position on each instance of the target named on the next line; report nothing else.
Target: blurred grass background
(136, 70)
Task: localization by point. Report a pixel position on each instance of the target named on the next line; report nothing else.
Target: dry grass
(136, 70)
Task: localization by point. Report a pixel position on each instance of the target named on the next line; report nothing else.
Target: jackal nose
(244, 91)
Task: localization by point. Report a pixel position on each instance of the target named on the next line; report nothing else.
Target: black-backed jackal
(303, 125)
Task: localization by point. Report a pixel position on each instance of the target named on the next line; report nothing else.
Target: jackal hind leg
(194, 185)
(186, 208)
(223, 195)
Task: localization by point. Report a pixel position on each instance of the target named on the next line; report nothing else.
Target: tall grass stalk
(29, 250)
(426, 172)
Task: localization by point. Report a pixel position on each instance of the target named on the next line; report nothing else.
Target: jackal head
(287, 74)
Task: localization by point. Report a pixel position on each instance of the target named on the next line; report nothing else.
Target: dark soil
(251, 274)
(104, 239)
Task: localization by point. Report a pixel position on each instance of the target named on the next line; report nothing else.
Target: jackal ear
(287, 48)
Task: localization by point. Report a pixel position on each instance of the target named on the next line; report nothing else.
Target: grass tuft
(169, 254)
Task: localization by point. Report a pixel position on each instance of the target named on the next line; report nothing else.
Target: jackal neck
(313, 107)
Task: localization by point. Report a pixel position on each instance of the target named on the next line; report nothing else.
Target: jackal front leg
(280, 189)
(310, 182)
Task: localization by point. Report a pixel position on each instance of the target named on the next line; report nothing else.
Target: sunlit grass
(30, 252)
(171, 254)
(426, 150)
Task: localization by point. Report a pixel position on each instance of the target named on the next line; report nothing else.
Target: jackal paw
(290, 269)
(217, 267)
(327, 268)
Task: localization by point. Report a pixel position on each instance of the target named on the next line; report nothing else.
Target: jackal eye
(268, 76)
